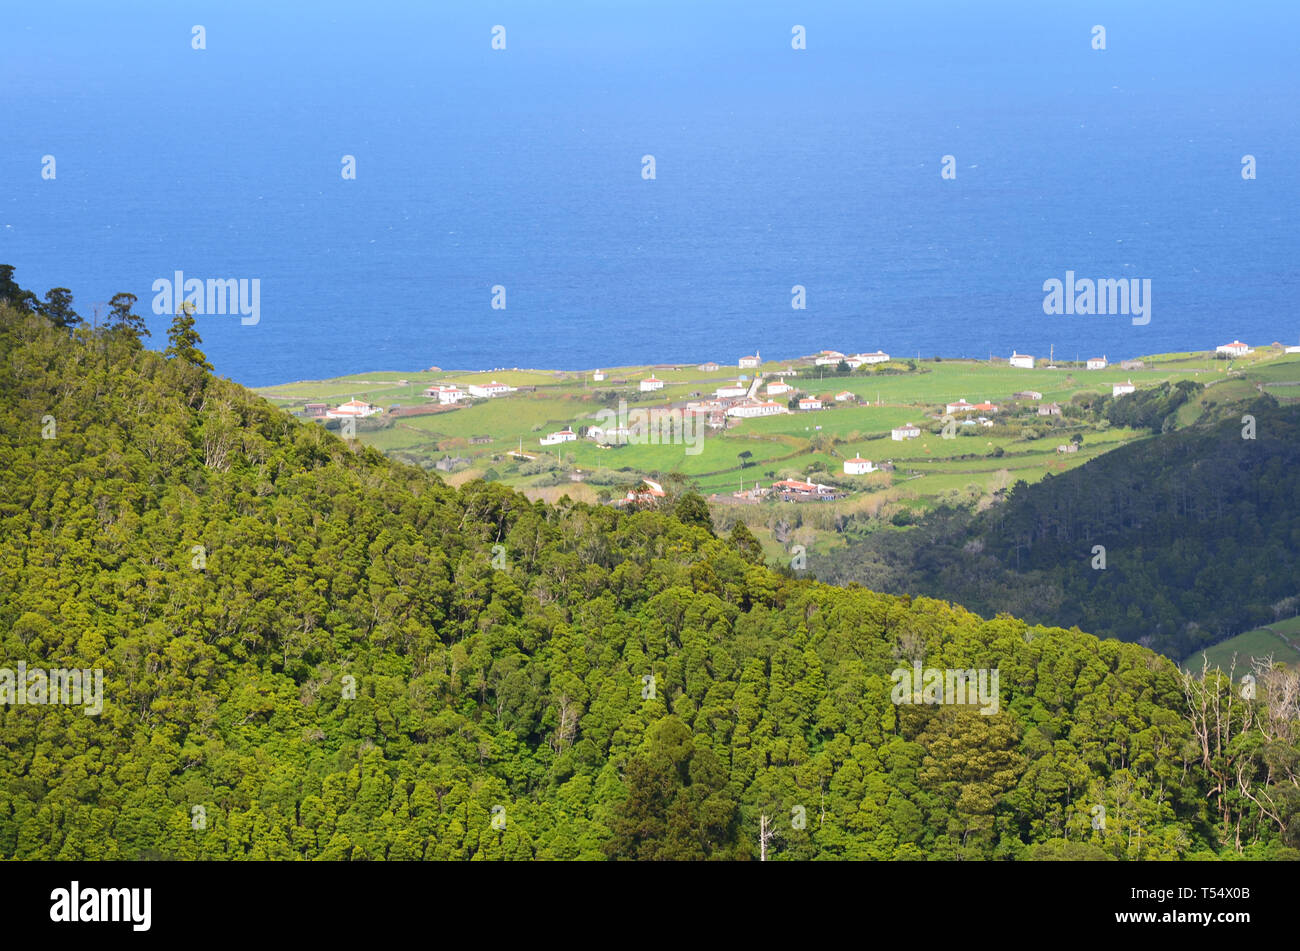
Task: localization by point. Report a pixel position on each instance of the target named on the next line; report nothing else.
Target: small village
(672, 401)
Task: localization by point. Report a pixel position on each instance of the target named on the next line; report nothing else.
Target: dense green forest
(310, 651)
(1200, 529)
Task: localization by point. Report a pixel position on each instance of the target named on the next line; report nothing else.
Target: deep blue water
(774, 167)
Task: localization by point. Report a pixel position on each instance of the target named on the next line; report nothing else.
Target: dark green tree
(122, 318)
(16, 296)
(183, 340)
(743, 540)
(58, 308)
(691, 509)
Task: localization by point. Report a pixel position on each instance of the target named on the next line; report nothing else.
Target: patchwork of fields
(979, 461)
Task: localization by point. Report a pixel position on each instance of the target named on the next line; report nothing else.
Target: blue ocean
(523, 168)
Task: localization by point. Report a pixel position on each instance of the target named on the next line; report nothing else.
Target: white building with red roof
(487, 390)
(1234, 349)
(445, 394)
(564, 435)
(858, 359)
(799, 489)
(653, 490)
(651, 383)
(858, 466)
(756, 408)
(353, 409)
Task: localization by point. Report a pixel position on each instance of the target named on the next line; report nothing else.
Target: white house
(868, 358)
(798, 489)
(651, 383)
(1293, 349)
(1027, 395)
(961, 406)
(987, 407)
(1234, 349)
(843, 396)
(490, 389)
(614, 434)
(858, 466)
(810, 402)
(751, 410)
(353, 409)
(653, 490)
(1022, 360)
(750, 363)
(598, 376)
(554, 439)
(906, 431)
(445, 394)
(777, 387)
(730, 391)
(1097, 363)
(709, 367)
(828, 358)
(1119, 389)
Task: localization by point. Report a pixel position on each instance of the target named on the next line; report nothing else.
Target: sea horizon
(919, 173)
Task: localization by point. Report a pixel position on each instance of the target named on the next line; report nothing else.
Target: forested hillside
(1200, 530)
(312, 652)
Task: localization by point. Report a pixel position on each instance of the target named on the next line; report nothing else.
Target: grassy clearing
(1281, 641)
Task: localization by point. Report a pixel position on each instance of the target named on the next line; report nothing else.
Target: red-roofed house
(750, 410)
(489, 389)
(445, 394)
(564, 435)
(653, 490)
(794, 488)
(354, 409)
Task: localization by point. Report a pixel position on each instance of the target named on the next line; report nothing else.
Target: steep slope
(1200, 531)
(309, 651)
